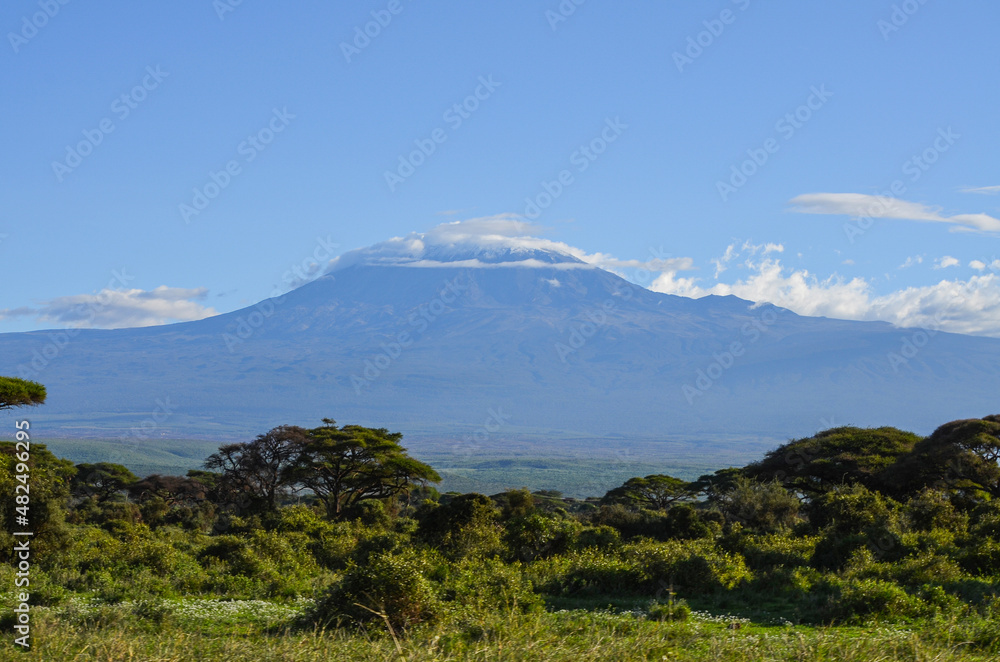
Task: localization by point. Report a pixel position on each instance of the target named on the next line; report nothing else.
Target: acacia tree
(349, 464)
(962, 457)
(15, 392)
(657, 491)
(105, 480)
(817, 464)
(255, 473)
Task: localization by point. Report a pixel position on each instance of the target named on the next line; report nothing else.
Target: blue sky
(834, 101)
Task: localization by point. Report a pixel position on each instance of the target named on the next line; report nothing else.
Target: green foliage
(15, 392)
(656, 491)
(536, 536)
(763, 507)
(103, 480)
(464, 526)
(260, 564)
(863, 600)
(391, 585)
(471, 569)
(345, 465)
(838, 455)
(674, 610)
(960, 457)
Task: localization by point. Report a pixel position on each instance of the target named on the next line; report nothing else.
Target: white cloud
(984, 190)
(732, 252)
(971, 306)
(477, 242)
(115, 309)
(945, 262)
(977, 265)
(911, 261)
(859, 205)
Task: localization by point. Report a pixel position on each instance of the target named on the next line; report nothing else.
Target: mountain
(501, 341)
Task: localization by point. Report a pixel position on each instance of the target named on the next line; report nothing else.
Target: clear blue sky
(683, 124)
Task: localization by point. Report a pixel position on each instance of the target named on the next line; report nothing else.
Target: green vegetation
(16, 392)
(851, 545)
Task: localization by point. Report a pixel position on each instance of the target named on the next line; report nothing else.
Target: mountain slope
(556, 347)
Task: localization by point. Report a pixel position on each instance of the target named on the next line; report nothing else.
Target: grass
(175, 631)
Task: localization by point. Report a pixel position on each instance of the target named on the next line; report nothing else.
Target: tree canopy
(960, 456)
(348, 464)
(839, 455)
(657, 491)
(15, 392)
(256, 473)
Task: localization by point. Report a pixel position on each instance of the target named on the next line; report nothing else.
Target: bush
(675, 610)
(933, 509)
(489, 586)
(695, 567)
(262, 564)
(981, 558)
(466, 526)
(683, 522)
(864, 599)
(390, 585)
(587, 572)
(536, 536)
(600, 537)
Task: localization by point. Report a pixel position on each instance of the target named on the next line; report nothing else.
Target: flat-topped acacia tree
(15, 392)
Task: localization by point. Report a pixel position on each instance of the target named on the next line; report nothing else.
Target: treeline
(847, 526)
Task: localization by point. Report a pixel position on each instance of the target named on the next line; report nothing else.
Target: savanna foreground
(578, 635)
(329, 544)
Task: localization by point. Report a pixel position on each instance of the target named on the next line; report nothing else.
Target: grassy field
(234, 631)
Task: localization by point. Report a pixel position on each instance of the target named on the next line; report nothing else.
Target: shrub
(933, 509)
(488, 586)
(466, 526)
(762, 507)
(393, 585)
(981, 558)
(599, 537)
(695, 567)
(864, 599)
(270, 564)
(537, 536)
(683, 522)
(674, 610)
